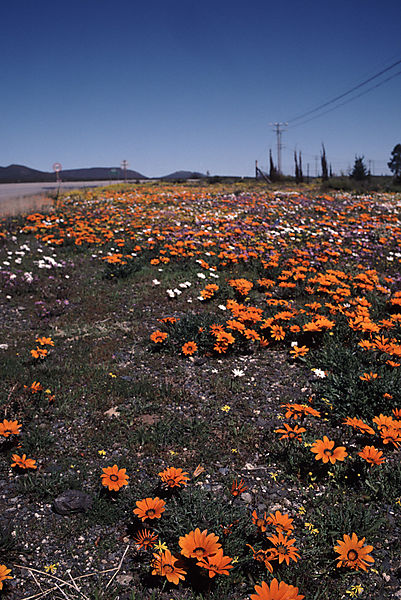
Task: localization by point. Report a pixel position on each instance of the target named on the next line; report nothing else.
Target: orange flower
(295, 410)
(158, 336)
(264, 556)
(391, 435)
(238, 488)
(23, 462)
(114, 478)
(325, 451)
(165, 564)
(353, 553)
(285, 548)
(145, 539)
(277, 332)
(150, 508)
(39, 352)
(260, 522)
(372, 455)
(299, 351)
(359, 425)
(291, 433)
(276, 591)
(216, 564)
(282, 523)
(8, 428)
(189, 348)
(36, 387)
(368, 376)
(43, 341)
(172, 477)
(4, 574)
(199, 544)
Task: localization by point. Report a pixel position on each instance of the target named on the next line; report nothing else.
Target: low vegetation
(201, 395)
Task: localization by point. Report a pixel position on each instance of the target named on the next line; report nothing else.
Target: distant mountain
(183, 176)
(99, 173)
(19, 174)
(22, 174)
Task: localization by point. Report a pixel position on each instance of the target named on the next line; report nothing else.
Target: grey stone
(72, 501)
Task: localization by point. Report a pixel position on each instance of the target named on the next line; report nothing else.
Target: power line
(349, 99)
(356, 87)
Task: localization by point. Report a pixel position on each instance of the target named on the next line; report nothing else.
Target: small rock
(72, 501)
(246, 497)
(124, 579)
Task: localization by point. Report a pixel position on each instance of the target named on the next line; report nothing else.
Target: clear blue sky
(177, 84)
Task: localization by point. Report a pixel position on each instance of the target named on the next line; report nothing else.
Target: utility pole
(124, 165)
(278, 130)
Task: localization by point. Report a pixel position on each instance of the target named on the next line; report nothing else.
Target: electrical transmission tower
(278, 129)
(124, 165)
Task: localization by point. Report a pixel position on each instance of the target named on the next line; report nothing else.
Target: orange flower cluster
(282, 546)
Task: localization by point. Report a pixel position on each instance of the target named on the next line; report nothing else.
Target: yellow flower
(112, 375)
(160, 546)
(101, 452)
(234, 450)
(273, 475)
(52, 568)
(355, 590)
(226, 408)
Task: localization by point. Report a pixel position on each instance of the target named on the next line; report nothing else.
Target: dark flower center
(150, 512)
(199, 552)
(281, 549)
(168, 568)
(352, 555)
(114, 477)
(327, 452)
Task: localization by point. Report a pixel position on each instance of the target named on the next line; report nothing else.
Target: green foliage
(359, 171)
(394, 163)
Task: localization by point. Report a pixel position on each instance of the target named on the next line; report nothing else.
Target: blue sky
(194, 85)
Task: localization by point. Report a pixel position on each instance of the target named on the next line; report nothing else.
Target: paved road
(16, 198)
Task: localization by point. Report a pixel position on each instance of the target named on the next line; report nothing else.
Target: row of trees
(359, 171)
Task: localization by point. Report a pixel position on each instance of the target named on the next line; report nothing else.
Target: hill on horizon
(23, 174)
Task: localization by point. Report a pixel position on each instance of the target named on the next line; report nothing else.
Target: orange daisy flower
(277, 332)
(4, 574)
(158, 336)
(150, 508)
(372, 455)
(172, 477)
(145, 539)
(39, 352)
(282, 523)
(264, 556)
(276, 591)
(291, 433)
(359, 425)
(165, 564)
(199, 544)
(189, 348)
(216, 564)
(285, 548)
(238, 488)
(353, 553)
(43, 341)
(114, 478)
(23, 462)
(299, 351)
(325, 451)
(260, 522)
(8, 428)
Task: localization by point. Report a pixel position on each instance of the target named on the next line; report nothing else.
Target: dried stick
(42, 594)
(118, 568)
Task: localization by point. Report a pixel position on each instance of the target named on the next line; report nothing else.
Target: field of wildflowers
(201, 395)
